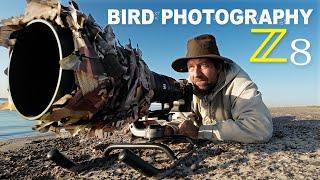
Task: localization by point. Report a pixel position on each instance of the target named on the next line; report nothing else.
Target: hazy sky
(282, 84)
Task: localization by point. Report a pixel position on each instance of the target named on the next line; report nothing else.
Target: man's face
(202, 73)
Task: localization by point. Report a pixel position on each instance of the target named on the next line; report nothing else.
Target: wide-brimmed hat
(203, 46)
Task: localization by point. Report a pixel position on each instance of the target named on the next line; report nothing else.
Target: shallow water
(14, 126)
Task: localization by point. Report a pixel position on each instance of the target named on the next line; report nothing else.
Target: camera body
(176, 93)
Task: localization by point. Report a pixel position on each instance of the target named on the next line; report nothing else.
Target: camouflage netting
(113, 84)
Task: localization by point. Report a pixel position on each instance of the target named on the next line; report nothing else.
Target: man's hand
(187, 128)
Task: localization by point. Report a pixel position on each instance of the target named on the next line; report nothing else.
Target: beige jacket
(234, 111)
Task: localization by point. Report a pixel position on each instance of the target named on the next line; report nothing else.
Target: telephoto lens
(168, 90)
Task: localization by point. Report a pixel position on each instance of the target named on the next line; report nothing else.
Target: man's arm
(251, 123)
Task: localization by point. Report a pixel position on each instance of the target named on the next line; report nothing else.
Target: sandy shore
(292, 153)
(7, 106)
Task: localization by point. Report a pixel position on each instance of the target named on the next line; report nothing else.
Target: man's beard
(204, 89)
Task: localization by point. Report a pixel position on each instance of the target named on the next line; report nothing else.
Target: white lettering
(250, 15)
(113, 16)
(178, 16)
(208, 13)
(147, 16)
(306, 15)
(278, 14)
(166, 14)
(265, 17)
(293, 16)
(236, 19)
(225, 15)
(198, 18)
